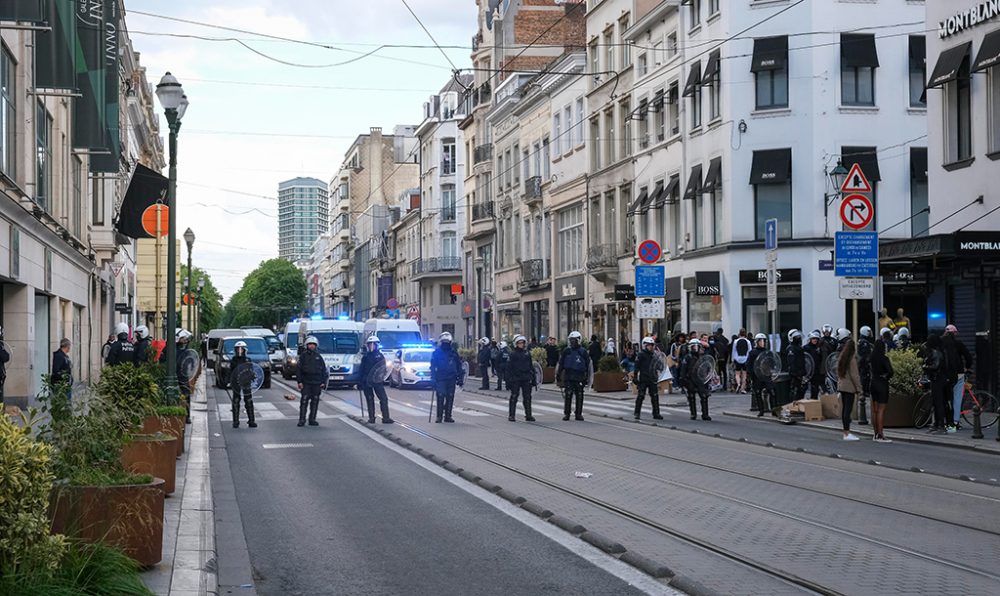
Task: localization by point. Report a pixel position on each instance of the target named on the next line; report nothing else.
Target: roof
(458, 84)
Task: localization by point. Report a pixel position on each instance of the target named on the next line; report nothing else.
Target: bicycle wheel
(923, 411)
(988, 408)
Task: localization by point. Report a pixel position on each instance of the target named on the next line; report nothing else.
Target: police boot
(692, 406)
(313, 406)
(511, 407)
(638, 403)
(251, 422)
(704, 409)
(370, 403)
(656, 408)
(578, 411)
(754, 401)
(303, 406)
(236, 411)
(527, 410)
(384, 407)
(567, 402)
(758, 399)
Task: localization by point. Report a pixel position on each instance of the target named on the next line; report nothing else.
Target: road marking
(286, 445)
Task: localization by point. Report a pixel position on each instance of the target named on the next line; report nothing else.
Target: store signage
(759, 276)
(977, 243)
(826, 264)
(970, 17)
(123, 307)
(624, 293)
(570, 288)
(707, 283)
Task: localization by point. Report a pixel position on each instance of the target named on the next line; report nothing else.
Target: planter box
(548, 374)
(127, 517)
(171, 425)
(899, 411)
(606, 382)
(154, 455)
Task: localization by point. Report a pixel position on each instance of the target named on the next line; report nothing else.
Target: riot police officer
(795, 359)
(239, 382)
(484, 360)
(313, 376)
(813, 350)
(758, 383)
(865, 347)
(574, 371)
(694, 385)
(647, 373)
(372, 377)
(446, 373)
(143, 345)
(122, 351)
(520, 379)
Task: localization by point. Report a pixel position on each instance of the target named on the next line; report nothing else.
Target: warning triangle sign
(855, 181)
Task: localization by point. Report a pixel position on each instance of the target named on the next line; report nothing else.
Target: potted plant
(166, 418)
(609, 375)
(907, 367)
(540, 357)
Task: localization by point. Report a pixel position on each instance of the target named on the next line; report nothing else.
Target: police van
(340, 345)
(393, 334)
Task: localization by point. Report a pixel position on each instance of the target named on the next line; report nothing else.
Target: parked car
(214, 336)
(290, 365)
(256, 351)
(411, 367)
(275, 349)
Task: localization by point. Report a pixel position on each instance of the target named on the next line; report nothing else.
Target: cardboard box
(831, 405)
(812, 409)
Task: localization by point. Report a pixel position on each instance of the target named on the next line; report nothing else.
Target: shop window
(757, 319)
(770, 67)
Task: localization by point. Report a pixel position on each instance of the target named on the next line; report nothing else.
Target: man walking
(446, 373)
(62, 367)
(573, 369)
(520, 379)
(483, 360)
(372, 377)
(958, 361)
(647, 374)
(313, 376)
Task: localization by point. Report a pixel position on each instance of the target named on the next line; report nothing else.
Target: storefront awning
(665, 197)
(858, 50)
(640, 202)
(693, 188)
(771, 167)
(866, 157)
(713, 180)
(989, 52)
(711, 68)
(693, 81)
(948, 65)
(769, 53)
(918, 164)
(656, 197)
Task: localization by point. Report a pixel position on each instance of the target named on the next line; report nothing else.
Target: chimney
(375, 169)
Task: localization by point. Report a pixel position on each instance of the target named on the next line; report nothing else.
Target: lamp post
(189, 239)
(197, 315)
(175, 103)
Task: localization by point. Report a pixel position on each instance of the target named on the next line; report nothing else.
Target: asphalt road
(342, 514)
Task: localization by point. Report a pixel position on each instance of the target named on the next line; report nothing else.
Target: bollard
(977, 425)
(862, 409)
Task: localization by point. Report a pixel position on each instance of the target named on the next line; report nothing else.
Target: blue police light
(344, 318)
(316, 317)
(936, 315)
(420, 345)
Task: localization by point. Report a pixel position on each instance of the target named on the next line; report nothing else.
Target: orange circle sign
(155, 219)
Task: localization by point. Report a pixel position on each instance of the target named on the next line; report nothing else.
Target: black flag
(142, 214)
(29, 11)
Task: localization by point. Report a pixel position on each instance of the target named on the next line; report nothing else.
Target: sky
(255, 120)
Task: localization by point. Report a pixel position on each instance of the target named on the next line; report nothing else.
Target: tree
(210, 304)
(270, 295)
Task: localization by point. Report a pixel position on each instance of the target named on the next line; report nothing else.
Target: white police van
(340, 344)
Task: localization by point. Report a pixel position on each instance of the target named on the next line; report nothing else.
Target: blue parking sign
(771, 234)
(650, 281)
(856, 254)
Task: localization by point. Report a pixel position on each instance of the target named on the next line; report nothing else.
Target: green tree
(210, 314)
(271, 294)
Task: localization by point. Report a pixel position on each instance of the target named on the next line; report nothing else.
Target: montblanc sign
(977, 244)
(977, 15)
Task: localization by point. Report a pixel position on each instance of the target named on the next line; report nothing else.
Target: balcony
(602, 261)
(482, 153)
(448, 214)
(481, 211)
(534, 275)
(533, 190)
(344, 264)
(435, 266)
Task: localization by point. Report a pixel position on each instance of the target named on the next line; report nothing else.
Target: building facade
(303, 215)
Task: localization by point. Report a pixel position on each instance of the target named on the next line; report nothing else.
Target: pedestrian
(551, 352)
(848, 384)
(595, 351)
(121, 351)
(62, 368)
(761, 387)
(881, 373)
(814, 351)
(573, 371)
(520, 379)
(628, 360)
(372, 380)
(4, 359)
(723, 349)
(446, 373)
(483, 361)
(678, 348)
(501, 356)
(904, 342)
(203, 348)
(240, 382)
(936, 372)
(887, 336)
(958, 360)
(740, 353)
(866, 347)
(647, 371)
(795, 358)
(143, 345)
(313, 376)
(106, 348)
(694, 385)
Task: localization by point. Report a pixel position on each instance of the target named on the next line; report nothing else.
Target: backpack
(742, 347)
(575, 361)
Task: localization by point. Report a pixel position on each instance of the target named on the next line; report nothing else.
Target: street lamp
(189, 239)
(175, 103)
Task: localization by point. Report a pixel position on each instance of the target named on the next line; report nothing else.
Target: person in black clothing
(143, 345)
(551, 352)
(372, 376)
(4, 359)
(483, 359)
(500, 356)
(865, 347)
(647, 374)
(722, 354)
(594, 350)
(520, 378)
(183, 336)
(446, 373)
(694, 385)
(62, 367)
(936, 371)
(239, 382)
(573, 370)
(122, 351)
(958, 360)
(795, 357)
(761, 387)
(313, 376)
(881, 372)
(106, 348)
(814, 350)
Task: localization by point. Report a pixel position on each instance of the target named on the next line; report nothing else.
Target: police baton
(430, 412)
(361, 400)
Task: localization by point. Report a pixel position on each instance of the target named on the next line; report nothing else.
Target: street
(331, 510)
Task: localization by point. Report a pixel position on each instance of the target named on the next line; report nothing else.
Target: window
(625, 138)
(526, 164)
(661, 115)
(713, 7)
(625, 223)
(610, 229)
(536, 158)
(643, 116)
(449, 245)
(674, 215)
(695, 13)
(641, 65)
(595, 60)
(514, 166)
(579, 122)
(506, 173)
(715, 197)
(770, 67)
(994, 108)
(594, 227)
(626, 47)
(8, 147)
(711, 79)
(771, 177)
(674, 107)
(609, 133)
(43, 154)
(609, 47)
(567, 143)
(97, 201)
(570, 233)
(858, 61)
(918, 71)
(500, 173)
(693, 90)
(77, 209)
(517, 230)
(958, 99)
(546, 160)
(557, 132)
(671, 45)
(448, 157)
(920, 219)
(448, 204)
(697, 221)
(595, 144)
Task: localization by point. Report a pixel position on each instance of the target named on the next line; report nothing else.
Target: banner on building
(88, 109)
(55, 67)
(144, 209)
(24, 11)
(109, 160)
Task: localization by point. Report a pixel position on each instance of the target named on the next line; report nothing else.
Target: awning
(866, 157)
(773, 166)
(713, 180)
(769, 53)
(858, 49)
(711, 69)
(918, 164)
(694, 184)
(989, 52)
(948, 65)
(656, 197)
(694, 80)
(638, 204)
(672, 190)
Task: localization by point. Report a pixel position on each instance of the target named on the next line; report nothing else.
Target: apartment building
(303, 215)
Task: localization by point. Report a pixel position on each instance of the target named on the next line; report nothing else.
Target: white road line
(286, 445)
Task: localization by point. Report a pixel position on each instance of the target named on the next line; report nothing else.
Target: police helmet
(575, 335)
(445, 337)
(865, 332)
(240, 345)
(694, 342)
(372, 339)
(814, 334)
(484, 341)
(793, 334)
(184, 335)
(885, 331)
(648, 341)
(904, 332)
(121, 328)
(520, 338)
(828, 328)
(760, 337)
(142, 332)
(312, 340)
(843, 334)
(503, 344)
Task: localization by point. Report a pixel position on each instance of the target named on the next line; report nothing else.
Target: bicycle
(989, 408)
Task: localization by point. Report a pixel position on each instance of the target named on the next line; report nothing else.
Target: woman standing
(848, 384)
(881, 373)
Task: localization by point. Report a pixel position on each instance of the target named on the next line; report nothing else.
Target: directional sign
(771, 234)
(857, 288)
(855, 181)
(856, 254)
(650, 281)
(650, 308)
(649, 252)
(856, 211)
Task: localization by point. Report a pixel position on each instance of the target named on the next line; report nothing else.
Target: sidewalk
(188, 564)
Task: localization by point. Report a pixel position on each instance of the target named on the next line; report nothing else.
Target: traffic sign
(771, 234)
(650, 308)
(857, 288)
(650, 281)
(117, 267)
(772, 285)
(856, 254)
(650, 252)
(855, 181)
(856, 211)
